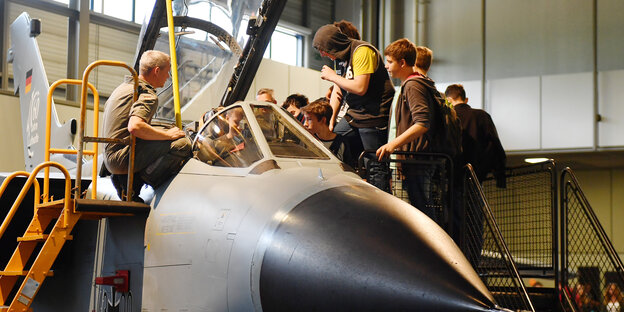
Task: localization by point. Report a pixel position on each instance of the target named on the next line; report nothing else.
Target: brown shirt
(117, 111)
(414, 107)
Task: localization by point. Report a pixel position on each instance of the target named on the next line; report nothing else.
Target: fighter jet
(263, 217)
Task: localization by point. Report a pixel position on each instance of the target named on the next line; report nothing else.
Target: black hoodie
(368, 110)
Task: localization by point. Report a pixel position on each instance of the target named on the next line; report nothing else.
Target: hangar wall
(543, 69)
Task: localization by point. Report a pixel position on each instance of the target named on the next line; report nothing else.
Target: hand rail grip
(33, 177)
(8, 179)
(81, 124)
(48, 150)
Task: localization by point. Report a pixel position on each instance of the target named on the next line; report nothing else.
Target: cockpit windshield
(227, 140)
(208, 46)
(283, 139)
(230, 140)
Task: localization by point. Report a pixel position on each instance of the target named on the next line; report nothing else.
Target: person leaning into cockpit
(233, 140)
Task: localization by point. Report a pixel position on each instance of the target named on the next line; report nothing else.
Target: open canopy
(219, 46)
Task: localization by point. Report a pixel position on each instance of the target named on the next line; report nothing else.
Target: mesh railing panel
(485, 248)
(525, 211)
(438, 170)
(593, 274)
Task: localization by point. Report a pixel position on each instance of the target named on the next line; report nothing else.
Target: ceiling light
(536, 160)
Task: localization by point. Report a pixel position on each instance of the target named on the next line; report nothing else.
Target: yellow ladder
(44, 214)
(66, 211)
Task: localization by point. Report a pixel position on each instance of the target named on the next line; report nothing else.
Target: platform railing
(48, 150)
(438, 185)
(485, 247)
(526, 212)
(592, 271)
(95, 139)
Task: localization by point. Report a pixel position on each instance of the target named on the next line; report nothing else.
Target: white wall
(286, 80)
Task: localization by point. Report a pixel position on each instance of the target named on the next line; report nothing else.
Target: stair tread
(21, 273)
(35, 237)
(110, 206)
(38, 237)
(56, 204)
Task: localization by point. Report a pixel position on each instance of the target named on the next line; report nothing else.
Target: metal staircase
(54, 220)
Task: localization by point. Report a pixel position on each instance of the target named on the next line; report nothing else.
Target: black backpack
(452, 137)
(447, 138)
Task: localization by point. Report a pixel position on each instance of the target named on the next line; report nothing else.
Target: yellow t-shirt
(364, 61)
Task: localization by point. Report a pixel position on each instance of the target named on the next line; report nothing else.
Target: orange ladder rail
(95, 139)
(48, 150)
(13, 210)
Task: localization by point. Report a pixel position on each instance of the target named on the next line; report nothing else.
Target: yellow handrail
(174, 65)
(48, 150)
(8, 179)
(32, 178)
(81, 124)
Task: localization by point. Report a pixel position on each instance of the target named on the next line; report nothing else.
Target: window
(286, 47)
(129, 10)
(121, 9)
(143, 10)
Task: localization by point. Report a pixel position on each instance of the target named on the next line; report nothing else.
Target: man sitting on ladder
(159, 153)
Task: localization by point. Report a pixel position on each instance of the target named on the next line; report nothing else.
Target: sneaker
(138, 199)
(119, 182)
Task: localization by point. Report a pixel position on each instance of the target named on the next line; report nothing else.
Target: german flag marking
(28, 80)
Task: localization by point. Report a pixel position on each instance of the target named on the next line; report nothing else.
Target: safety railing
(592, 271)
(32, 179)
(49, 151)
(565, 301)
(13, 210)
(433, 171)
(484, 245)
(526, 212)
(95, 139)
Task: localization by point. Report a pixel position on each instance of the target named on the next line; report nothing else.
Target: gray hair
(152, 59)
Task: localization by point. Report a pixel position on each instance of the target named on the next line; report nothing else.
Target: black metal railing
(526, 212)
(592, 271)
(484, 245)
(433, 171)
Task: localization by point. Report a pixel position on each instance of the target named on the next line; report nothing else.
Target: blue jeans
(360, 139)
(418, 186)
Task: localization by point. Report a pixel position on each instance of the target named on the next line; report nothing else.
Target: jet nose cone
(356, 249)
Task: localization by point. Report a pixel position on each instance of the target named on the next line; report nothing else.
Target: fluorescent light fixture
(536, 160)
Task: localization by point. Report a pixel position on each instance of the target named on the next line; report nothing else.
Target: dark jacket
(481, 145)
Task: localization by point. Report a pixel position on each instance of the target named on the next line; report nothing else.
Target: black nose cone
(353, 248)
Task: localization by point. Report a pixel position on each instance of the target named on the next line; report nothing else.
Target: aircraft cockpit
(242, 134)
